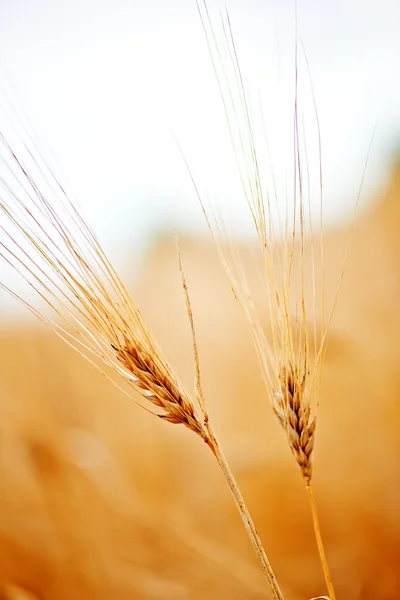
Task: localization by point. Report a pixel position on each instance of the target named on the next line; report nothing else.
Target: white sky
(106, 85)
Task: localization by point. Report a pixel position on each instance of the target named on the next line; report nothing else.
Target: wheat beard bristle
(294, 414)
(155, 382)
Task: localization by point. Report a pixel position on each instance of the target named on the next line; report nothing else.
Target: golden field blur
(102, 500)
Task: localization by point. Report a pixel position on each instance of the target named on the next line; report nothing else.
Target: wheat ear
(294, 414)
(48, 242)
(293, 410)
(285, 364)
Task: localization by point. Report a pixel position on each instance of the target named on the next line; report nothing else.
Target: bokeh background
(100, 499)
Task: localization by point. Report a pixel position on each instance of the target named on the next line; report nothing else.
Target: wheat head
(52, 247)
(294, 413)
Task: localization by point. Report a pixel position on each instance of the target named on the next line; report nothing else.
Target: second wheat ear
(294, 413)
(290, 379)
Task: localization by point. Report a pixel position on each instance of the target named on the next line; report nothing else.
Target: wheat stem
(244, 513)
(321, 549)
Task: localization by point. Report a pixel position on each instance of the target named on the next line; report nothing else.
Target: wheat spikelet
(294, 413)
(157, 384)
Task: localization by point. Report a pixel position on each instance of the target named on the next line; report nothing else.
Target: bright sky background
(106, 85)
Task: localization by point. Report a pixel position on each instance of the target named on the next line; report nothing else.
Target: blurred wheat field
(101, 500)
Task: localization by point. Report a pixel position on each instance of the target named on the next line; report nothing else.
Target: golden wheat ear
(294, 414)
(292, 379)
(49, 243)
